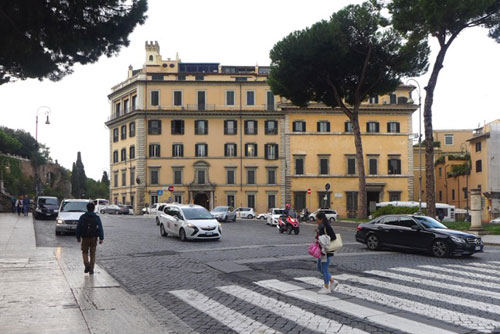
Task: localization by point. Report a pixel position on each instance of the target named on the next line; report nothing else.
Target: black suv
(46, 207)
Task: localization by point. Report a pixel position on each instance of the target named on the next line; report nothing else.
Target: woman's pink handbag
(315, 250)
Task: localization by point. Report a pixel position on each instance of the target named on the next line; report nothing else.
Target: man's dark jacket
(91, 217)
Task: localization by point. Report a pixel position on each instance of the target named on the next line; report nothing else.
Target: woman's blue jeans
(323, 269)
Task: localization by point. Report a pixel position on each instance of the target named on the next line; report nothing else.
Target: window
(271, 201)
(440, 170)
(124, 178)
(201, 100)
(324, 199)
(201, 150)
(270, 100)
(440, 195)
(271, 151)
(251, 127)
(117, 109)
(230, 200)
(230, 150)
(351, 166)
(393, 127)
(157, 76)
(394, 166)
(250, 176)
(178, 199)
(271, 176)
(271, 127)
(154, 150)
(115, 156)
(115, 135)
(452, 194)
(448, 139)
(155, 98)
(177, 150)
(299, 166)
(134, 102)
(230, 127)
(181, 77)
(372, 127)
(393, 99)
(241, 78)
(299, 126)
(374, 99)
(177, 98)
(154, 199)
(478, 146)
(124, 132)
(479, 166)
(115, 180)
(131, 152)
(200, 176)
(177, 176)
(250, 98)
(324, 168)
(131, 129)
(323, 126)
(394, 196)
(132, 177)
(201, 127)
(230, 173)
(251, 201)
(352, 201)
(154, 176)
(154, 127)
(373, 166)
(126, 106)
(177, 127)
(199, 77)
(230, 98)
(348, 127)
(251, 150)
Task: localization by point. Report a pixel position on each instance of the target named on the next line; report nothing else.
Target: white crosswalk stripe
(236, 321)
(358, 311)
(481, 270)
(434, 312)
(459, 272)
(486, 265)
(287, 311)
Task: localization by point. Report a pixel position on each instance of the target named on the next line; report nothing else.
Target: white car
(273, 216)
(248, 213)
(159, 211)
(262, 216)
(69, 214)
(151, 210)
(189, 222)
(331, 215)
(495, 221)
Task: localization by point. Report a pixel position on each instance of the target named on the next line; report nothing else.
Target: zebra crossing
(426, 299)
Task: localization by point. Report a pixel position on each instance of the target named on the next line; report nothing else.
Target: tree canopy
(46, 38)
(78, 178)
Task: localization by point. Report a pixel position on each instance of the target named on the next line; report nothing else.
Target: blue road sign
(160, 192)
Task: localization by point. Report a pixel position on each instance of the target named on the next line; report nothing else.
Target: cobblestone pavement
(255, 280)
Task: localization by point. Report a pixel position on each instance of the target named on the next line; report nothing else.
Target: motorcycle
(288, 224)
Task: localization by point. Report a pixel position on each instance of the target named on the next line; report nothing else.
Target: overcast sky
(233, 33)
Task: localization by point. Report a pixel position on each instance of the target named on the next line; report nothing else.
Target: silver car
(189, 222)
(224, 213)
(69, 214)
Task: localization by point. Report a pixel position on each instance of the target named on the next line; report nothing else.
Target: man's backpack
(89, 226)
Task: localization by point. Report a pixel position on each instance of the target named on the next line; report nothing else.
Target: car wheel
(58, 233)
(311, 219)
(372, 242)
(250, 217)
(332, 220)
(102, 211)
(182, 235)
(234, 219)
(157, 221)
(440, 248)
(162, 231)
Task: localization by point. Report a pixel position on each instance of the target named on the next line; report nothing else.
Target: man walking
(88, 229)
(26, 204)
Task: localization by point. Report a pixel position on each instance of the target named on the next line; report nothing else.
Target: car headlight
(191, 225)
(60, 221)
(38, 210)
(457, 240)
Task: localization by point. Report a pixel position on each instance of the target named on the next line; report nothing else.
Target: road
(256, 280)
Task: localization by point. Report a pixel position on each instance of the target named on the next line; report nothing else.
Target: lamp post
(463, 148)
(46, 113)
(419, 143)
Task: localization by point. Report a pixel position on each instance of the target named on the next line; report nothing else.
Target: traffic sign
(160, 192)
(171, 188)
(170, 199)
(327, 186)
(309, 191)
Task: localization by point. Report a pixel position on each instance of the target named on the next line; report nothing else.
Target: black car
(415, 232)
(46, 207)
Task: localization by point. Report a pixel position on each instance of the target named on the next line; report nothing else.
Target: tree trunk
(429, 138)
(362, 201)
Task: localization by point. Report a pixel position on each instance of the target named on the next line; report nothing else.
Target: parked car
(331, 215)
(495, 221)
(224, 213)
(152, 209)
(273, 216)
(189, 222)
(115, 209)
(248, 213)
(262, 216)
(159, 211)
(69, 213)
(415, 232)
(100, 203)
(46, 207)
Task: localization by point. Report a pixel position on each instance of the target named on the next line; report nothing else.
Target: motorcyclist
(287, 210)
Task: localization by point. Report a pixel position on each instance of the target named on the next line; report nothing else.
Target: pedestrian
(19, 205)
(324, 227)
(26, 205)
(13, 201)
(89, 228)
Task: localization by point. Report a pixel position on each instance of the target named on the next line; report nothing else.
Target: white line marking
(361, 312)
(460, 272)
(485, 265)
(437, 284)
(290, 312)
(430, 311)
(481, 270)
(422, 293)
(236, 321)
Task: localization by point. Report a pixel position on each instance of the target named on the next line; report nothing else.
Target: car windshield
(428, 222)
(196, 213)
(278, 212)
(50, 201)
(220, 209)
(74, 207)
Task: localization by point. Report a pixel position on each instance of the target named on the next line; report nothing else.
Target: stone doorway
(202, 199)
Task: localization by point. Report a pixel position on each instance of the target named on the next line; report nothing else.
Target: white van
(100, 203)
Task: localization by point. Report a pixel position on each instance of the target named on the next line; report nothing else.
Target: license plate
(209, 233)
(478, 248)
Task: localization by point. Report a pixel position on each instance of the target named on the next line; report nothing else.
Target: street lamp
(46, 113)
(419, 142)
(463, 148)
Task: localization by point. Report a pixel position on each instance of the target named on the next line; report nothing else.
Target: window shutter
(318, 126)
(368, 127)
(277, 152)
(398, 163)
(377, 127)
(266, 151)
(398, 129)
(389, 127)
(159, 154)
(256, 154)
(389, 166)
(225, 150)
(206, 149)
(172, 126)
(225, 127)
(182, 127)
(328, 127)
(246, 150)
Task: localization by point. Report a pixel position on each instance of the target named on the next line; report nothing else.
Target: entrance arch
(202, 199)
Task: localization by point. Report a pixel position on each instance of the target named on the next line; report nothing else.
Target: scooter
(288, 224)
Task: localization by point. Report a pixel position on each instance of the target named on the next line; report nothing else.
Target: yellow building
(218, 136)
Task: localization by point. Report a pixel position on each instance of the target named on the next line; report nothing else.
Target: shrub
(395, 210)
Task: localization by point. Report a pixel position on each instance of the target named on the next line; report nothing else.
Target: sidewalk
(491, 239)
(44, 290)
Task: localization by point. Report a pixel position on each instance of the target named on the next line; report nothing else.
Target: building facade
(216, 135)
